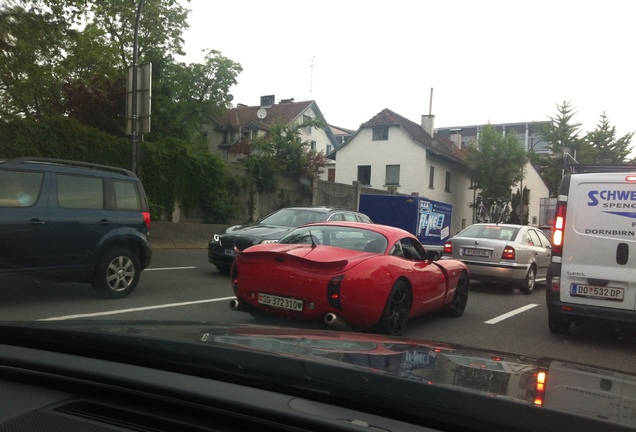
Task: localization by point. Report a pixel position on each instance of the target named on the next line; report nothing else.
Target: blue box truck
(428, 220)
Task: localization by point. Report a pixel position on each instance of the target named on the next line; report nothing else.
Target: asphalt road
(181, 285)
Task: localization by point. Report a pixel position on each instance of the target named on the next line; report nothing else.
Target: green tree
(62, 85)
(32, 47)
(161, 30)
(281, 152)
(607, 148)
(495, 165)
(186, 95)
(564, 142)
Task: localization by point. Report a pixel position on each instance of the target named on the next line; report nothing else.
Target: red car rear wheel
(396, 311)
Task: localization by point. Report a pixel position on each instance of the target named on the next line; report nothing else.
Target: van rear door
(599, 244)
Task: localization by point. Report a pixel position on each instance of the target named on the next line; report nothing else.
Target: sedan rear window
(292, 217)
(497, 232)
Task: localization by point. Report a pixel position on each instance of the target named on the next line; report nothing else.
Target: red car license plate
(597, 292)
(280, 302)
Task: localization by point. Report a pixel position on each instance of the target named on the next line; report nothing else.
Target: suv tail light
(448, 248)
(146, 216)
(559, 228)
(508, 253)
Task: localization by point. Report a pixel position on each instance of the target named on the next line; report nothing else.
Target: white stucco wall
(538, 190)
(400, 149)
(320, 137)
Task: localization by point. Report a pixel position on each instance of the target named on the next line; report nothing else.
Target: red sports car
(354, 276)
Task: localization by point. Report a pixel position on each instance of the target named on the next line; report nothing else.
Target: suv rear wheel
(117, 273)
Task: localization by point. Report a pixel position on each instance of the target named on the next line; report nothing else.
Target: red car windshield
(342, 237)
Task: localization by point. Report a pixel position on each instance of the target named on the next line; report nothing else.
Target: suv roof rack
(66, 162)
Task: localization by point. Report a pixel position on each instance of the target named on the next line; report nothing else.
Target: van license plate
(597, 292)
(477, 252)
(280, 302)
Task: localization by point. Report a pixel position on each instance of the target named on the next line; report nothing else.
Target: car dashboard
(135, 384)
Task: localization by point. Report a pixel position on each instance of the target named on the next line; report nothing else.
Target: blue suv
(75, 220)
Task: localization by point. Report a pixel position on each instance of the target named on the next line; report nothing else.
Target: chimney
(429, 119)
(267, 101)
(427, 123)
(456, 137)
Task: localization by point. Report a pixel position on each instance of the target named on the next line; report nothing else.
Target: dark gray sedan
(503, 253)
(221, 249)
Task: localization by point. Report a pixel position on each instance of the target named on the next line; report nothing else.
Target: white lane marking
(120, 311)
(511, 313)
(170, 268)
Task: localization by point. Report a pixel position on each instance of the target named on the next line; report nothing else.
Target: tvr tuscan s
(354, 276)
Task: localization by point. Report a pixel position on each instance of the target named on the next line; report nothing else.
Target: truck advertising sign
(427, 219)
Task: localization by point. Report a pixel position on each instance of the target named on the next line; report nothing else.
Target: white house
(392, 152)
(226, 130)
(537, 190)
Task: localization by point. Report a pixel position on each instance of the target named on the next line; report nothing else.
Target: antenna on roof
(311, 77)
(430, 104)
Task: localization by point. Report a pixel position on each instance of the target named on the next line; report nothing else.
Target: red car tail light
(448, 248)
(508, 253)
(333, 292)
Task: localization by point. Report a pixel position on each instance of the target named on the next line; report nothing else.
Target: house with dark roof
(246, 122)
(394, 153)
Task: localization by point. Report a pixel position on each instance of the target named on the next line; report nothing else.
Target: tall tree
(564, 144)
(495, 165)
(607, 148)
(32, 47)
(165, 21)
(185, 95)
(77, 58)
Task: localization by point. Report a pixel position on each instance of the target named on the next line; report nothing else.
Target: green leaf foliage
(171, 169)
(607, 148)
(281, 152)
(495, 165)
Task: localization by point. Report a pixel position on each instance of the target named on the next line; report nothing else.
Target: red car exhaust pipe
(336, 321)
(236, 305)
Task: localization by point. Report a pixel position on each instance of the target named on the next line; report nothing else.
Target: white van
(592, 274)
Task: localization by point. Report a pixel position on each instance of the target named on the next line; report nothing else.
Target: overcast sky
(498, 61)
